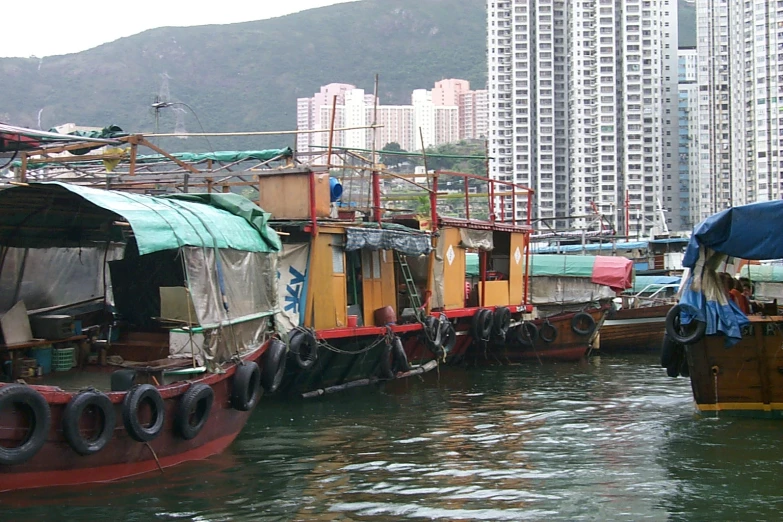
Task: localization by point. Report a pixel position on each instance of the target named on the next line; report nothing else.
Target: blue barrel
(335, 189)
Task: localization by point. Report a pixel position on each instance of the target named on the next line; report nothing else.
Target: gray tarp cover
(478, 239)
(408, 243)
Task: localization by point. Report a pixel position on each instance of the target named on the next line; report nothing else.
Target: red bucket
(352, 321)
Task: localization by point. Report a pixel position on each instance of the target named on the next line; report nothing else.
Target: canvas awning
(62, 215)
(612, 271)
(411, 243)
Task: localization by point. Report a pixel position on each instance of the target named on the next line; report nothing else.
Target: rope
(326, 346)
(155, 456)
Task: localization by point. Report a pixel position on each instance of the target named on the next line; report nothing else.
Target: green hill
(247, 76)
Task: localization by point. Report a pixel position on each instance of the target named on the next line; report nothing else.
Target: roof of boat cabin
(41, 215)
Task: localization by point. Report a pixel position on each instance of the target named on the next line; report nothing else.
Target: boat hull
(634, 329)
(566, 346)
(745, 379)
(351, 357)
(57, 464)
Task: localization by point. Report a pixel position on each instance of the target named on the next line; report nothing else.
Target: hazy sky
(50, 27)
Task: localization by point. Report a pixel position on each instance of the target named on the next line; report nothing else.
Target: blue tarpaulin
(747, 232)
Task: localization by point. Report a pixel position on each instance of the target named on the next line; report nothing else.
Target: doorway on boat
(502, 265)
(370, 287)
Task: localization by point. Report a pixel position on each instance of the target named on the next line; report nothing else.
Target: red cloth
(740, 300)
(616, 272)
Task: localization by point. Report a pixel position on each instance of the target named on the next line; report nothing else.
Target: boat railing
(651, 295)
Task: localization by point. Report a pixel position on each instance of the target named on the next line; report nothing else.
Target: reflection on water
(612, 438)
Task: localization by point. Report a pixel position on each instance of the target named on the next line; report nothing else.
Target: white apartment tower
(740, 56)
(694, 196)
(583, 106)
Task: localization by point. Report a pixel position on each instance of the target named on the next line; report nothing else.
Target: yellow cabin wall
(497, 293)
(378, 286)
(516, 271)
(454, 273)
(388, 282)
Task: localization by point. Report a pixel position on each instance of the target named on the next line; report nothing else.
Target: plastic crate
(44, 357)
(62, 359)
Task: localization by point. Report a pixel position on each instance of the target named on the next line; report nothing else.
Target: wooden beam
(157, 149)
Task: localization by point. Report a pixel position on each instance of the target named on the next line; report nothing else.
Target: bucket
(335, 189)
(43, 356)
(352, 321)
(384, 316)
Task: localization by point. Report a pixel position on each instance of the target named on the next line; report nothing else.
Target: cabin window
(338, 263)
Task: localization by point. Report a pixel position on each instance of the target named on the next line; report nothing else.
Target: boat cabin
(132, 281)
(336, 269)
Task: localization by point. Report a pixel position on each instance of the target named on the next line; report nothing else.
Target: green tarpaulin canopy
(545, 265)
(59, 214)
(223, 156)
(763, 273)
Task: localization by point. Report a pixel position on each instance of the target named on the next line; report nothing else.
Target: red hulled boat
(148, 339)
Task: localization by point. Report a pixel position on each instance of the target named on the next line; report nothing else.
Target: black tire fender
(432, 335)
(448, 335)
(527, 334)
(547, 332)
(72, 416)
(16, 395)
(386, 367)
(675, 329)
(501, 321)
(481, 325)
(137, 396)
(274, 363)
(304, 348)
(668, 350)
(247, 386)
(577, 323)
(399, 357)
(193, 410)
(685, 370)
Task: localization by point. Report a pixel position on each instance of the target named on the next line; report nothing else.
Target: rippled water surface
(608, 439)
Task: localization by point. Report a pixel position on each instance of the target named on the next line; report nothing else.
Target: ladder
(409, 284)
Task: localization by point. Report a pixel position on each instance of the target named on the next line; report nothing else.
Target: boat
(490, 315)
(341, 309)
(565, 290)
(335, 272)
(638, 324)
(732, 359)
(137, 330)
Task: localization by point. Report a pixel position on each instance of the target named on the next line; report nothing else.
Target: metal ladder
(409, 284)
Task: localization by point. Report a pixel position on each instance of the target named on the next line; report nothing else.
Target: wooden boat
(733, 360)
(340, 304)
(150, 346)
(320, 294)
(489, 317)
(634, 329)
(639, 324)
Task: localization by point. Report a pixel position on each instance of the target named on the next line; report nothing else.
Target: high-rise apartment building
(583, 107)
(448, 113)
(692, 202)
(740, 56)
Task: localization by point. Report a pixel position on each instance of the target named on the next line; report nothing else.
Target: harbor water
(611, 438)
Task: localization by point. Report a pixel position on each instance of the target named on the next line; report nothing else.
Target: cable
(170, 104)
